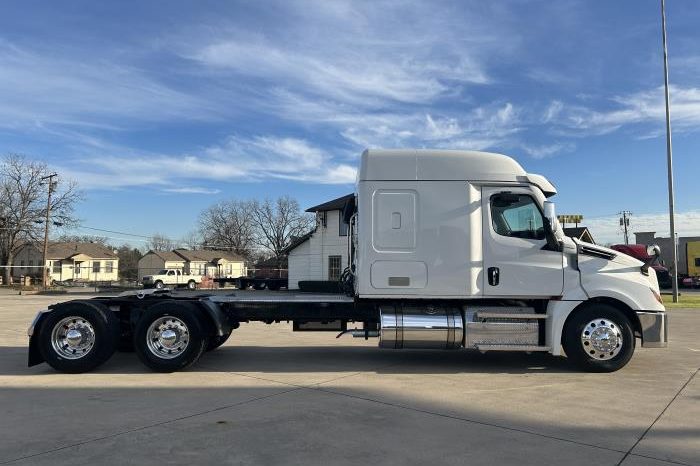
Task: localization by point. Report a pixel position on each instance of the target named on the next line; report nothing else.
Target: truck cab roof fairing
(428, 165)
(445, 165)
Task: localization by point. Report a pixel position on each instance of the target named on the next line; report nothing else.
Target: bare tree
(276, 223)
(192, 240)
(104, 241)
(229, 225)
(23, 196)
(160, 242)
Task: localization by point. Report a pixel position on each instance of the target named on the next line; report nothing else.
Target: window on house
(342, 227)
(56, 267)
(96, 266)
(109, 266)
(334, 266)
(322, 218)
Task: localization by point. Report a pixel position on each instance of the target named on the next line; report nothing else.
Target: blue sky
(160, 109)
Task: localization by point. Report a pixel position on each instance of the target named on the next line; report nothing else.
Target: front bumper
(654, 329)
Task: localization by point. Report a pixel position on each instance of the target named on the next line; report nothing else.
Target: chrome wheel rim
(167, 337)
(601, 339)
(73, 337)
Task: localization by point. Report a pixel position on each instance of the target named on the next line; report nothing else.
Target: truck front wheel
(599, 338)
(78, 336)
(191, 285)
(169, 336)
(158, 285)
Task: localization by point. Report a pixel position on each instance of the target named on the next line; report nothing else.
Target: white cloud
(192, 190)
(236, 159)
(607, 229)
(39, 88)
(640, 108)
(548, 150)
(552, 112)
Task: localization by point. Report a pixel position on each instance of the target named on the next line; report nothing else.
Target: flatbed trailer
(257, 283)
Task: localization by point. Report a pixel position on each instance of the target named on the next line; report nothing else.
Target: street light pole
(44, 279)
(669, 159)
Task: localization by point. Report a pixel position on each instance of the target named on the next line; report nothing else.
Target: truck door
(517, 261)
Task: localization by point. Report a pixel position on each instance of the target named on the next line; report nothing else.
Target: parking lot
(270, 396)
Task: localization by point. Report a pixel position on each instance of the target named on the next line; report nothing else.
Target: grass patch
(684, 300)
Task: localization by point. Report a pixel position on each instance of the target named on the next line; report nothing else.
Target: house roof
(168, 256)
(581, 233)
(298, 241)
(69, 249)
(66, 250)
(335, 204)
(207, 255)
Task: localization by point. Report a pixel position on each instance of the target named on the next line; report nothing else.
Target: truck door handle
(494, 275)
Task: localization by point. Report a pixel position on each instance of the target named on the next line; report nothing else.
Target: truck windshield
(163, 272)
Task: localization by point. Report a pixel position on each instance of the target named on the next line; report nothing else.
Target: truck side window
(517, 216)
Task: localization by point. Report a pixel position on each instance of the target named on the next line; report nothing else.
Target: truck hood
(605, 272)
(587, 249)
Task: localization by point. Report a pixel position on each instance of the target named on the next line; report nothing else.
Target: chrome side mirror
(551, 215)
(654, 250)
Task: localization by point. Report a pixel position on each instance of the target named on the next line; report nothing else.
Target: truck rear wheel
(599, 338)
(218, 340)
(78, 336)
(169, 336)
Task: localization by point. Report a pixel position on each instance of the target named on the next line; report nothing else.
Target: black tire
(187, 315)
(258, 286)
(191, 285)
(216, 341)
(273, 286)
(588, 357)
(158, 285)
(105, 328)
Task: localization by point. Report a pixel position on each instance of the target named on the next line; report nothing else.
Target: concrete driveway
(270, 396)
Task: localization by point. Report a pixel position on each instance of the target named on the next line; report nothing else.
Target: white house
(321, 254)
(85, 262)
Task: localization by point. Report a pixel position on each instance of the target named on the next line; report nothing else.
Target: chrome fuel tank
(426, 327)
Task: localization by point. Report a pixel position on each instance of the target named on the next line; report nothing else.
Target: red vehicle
(639, 252)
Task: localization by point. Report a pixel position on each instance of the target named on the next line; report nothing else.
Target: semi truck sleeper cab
(446, 250)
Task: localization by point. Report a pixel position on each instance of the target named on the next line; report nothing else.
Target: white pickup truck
(171, 277)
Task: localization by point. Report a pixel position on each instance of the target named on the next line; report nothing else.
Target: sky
(160, 109)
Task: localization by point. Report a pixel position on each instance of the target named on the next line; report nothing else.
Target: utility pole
(669, 160)
(45, 276)
(625, 223)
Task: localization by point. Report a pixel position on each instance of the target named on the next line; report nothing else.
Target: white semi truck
(447, 250)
